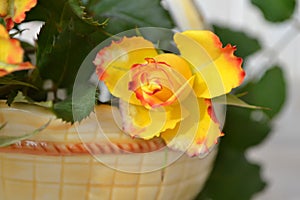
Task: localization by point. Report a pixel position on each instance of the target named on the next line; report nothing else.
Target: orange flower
(14, 11)
(11, 54)
(168, 95)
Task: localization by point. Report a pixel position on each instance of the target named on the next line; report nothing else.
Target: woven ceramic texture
(55, 165)
(34, 177)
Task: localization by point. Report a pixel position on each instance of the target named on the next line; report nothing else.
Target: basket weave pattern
(28, 175)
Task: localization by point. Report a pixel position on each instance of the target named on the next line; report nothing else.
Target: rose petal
(194, 135)
(144, 123)
(14, 11)
(3, 8)
(162, 81)
(22, 6)
(10, 51)
(3, 33)
(218, 70)
(11, 54)
(114, 62)
(9, 68)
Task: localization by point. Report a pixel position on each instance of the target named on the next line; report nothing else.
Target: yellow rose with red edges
(14, 11)
(168, 95)
(11, 54)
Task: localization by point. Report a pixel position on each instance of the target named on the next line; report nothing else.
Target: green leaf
(233, 177)
(46, 9)
(80, 11)
(233, 100)
(2, 22)
(246, 44)
(12, 81)
(20, 98)
(128, 14)
(276, 10)
(243, 129)
(8, 140)
(269, 91)
(64, 41)
(76, 108)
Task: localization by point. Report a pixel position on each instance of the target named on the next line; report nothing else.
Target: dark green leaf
(78, 107)
(11, 97)
(63, 43)
(269, 91)
(20, 98)
(233, 177)
(246, 44)
(11, 81)
(128, 14)
(80, 11)
(245, 128)
(8, 140)
(45, 42)
(276, 10)
(45, 10)
(2, 21)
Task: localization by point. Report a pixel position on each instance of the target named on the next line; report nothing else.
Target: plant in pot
(167, 91)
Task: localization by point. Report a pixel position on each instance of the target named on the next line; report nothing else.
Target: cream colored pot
(91, 160)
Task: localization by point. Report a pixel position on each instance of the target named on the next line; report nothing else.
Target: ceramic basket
(92, 160)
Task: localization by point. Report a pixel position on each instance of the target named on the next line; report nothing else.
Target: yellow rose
(168, 95)
(14, 11)
(11, 54)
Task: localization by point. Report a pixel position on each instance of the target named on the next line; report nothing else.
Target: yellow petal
(177, 63)
(3, 33)
(10, 51)
(194, 135)
(144, 123)
(114, 62)
(11, 54)
(9, 68)
(22, 6)
(3, 8)
(161, 82)
(218, 70)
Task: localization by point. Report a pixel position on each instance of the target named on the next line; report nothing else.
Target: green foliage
(233, 100)
(2, 21)
(270, 90)
(8, 80)
(60, 42)
(80, 11)
(8, 140)
(71, 30)
(129, 14)
(233, 177)
(246, 44)
(276, 10)
(78, 107)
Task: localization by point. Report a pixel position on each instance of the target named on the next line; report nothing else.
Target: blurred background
(279, 152)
